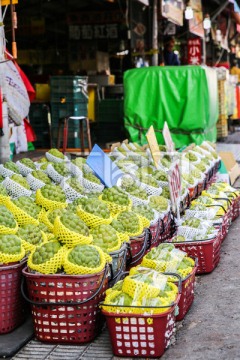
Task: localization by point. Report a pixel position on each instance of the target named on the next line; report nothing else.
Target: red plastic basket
(155, 230)
(139, 245)
(167, 227)
(145, 336)
(65, 307)
(11, 301)
(236, 208)
(206, 251)
(187, 295)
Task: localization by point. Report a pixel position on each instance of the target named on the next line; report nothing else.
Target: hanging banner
(194, 51)
(153, 145)
(196, 23)
(173, 11)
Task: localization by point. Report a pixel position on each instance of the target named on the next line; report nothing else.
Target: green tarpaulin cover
(184, 96)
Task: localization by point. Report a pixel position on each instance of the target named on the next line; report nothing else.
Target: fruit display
(189, 179)
(3, 190)
(79, 162)
(27, 205)
(166, 193)
(10, 165)
(196, 174)
(40, 175)
(31, 234)
(52, 214)
(106, 237)
(191, 156)
(61, 169)
(28, 162)
(44, 166)
(201, 167)
(6, 219)
(159, 203)
(20, 180)
(116, 195)
(166, 161)
(91, 177)
(118, 226)
(166, 258)
(53, 193)
(145, 170)
(194, 223)
(56, 153)
(72, 222)
(130, 221)
(75, 184)
(145, 211)
(85, 255)
(96, 207)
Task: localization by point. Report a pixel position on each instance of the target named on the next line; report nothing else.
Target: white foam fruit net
(55, 159)
(14, 189)
(34, 183)
(207, 214)
(70, 193)
(53, 174)
(24, 170)
(90, 185)
(5, 172)
(75, 170)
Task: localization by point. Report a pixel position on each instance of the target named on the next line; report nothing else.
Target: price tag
(153, 145)
(174, 180)
(168, 138)
(104, 167)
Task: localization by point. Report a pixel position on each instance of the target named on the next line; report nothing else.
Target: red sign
(194, 51)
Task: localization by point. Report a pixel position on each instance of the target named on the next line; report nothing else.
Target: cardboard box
(232, 166)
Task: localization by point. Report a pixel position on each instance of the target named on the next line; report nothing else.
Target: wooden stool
(64, 121)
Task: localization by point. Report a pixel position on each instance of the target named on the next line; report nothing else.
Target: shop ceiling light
(188, 13)
(207, 22)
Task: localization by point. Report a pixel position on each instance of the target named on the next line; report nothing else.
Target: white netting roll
(89, 185)
(189, 232)
(55, 159)
(54, 175)
(14, 189)
(5, 172)
(34, 183)
(24, 170)
(75, 170)
(70, 193)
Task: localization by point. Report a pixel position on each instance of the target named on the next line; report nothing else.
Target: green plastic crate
(69, 87)
(59, 110)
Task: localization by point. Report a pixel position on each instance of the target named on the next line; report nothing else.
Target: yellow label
(153, 144)
(7, 2)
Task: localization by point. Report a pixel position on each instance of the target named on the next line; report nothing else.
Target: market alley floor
(210, 330)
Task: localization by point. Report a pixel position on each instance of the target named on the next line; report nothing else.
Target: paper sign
(104, 167)
(167, 137)
(174, 179)
(153, 144)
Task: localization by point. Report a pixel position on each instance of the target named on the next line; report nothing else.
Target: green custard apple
(193, 222)
(40, 175)
(61, 169)
(104, 236)
(118, 226)
(79, 162)
(29, 163)
(97, 208)
(3, 190)
(129, 220)
(31, 234)
(10, 165)
(166, 193)
(7, 218)
(75, 184)
(160, 175)
(53, 193)
(45, 252)
(91, 177)
(144, 210)
(149, 180)
(56, 153)
(20, 180)
(115, 195)
(72, 222)
(158, 203)
(27, 204)
(52, 214)
(85, 255)
(10, 244)
(191, 157)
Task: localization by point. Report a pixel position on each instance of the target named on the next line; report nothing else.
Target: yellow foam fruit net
(68, 237)
(116, 208)
(20, 215)
(123, 237)
(139, 289)
(31, 247)
(118, 309)
(92, 220)
(47, 203)
(10, 258)
(43, 217)
(74, 269)
(51, 266)
(145, 221)
(4, 199)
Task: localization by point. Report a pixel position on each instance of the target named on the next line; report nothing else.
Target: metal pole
(155, 34)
